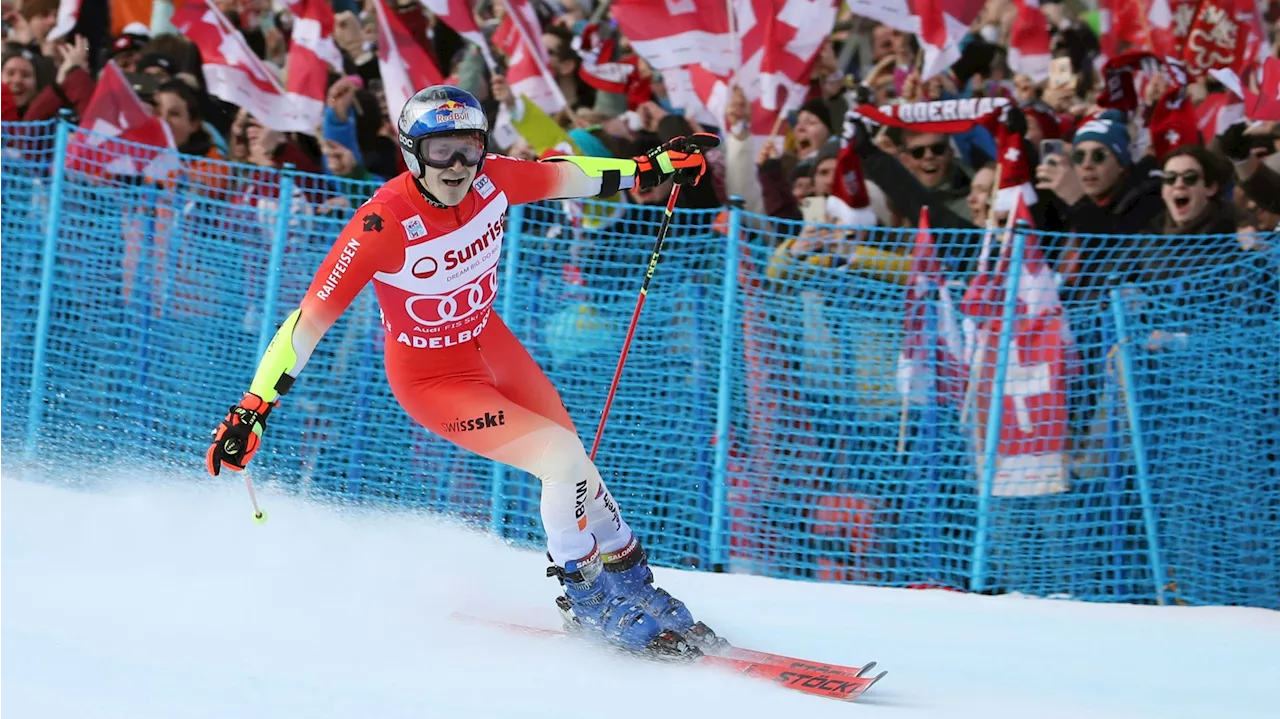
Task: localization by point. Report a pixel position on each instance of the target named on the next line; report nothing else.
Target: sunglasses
(937, 149)
(1096, 156)
(1190, 178)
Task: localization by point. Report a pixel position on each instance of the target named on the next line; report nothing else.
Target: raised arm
(566, 177)
(367, 245)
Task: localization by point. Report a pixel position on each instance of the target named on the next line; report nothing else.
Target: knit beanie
(818, 107)
(1110, 129)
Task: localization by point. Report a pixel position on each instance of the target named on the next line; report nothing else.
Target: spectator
(931, 159)
(72, 85)
(1100, 188)
(25, 74)
(126, 49)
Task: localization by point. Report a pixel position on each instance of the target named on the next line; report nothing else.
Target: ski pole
(259, 516)
(635, 316)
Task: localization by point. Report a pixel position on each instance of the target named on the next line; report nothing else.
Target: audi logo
(425, 268)
(459, 305)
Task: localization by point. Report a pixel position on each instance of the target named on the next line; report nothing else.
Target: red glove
(680, 157)
(237, 439)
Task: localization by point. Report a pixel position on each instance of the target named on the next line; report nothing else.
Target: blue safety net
(867, 405)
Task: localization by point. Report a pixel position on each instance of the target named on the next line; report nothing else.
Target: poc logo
(406, 142)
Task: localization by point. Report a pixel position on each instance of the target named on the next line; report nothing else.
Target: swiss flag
(457, 15)
(931, 362)
(780, 40)
(678, 33)
(115, 116)
(703, 94)
(940, 25)
(233, 73)
(311, 53)
(1031, 451)
(519, 37)
(403, 65)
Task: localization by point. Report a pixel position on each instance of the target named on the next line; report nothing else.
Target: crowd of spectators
(1097, 173)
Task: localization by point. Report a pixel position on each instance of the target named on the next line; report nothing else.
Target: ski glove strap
(680, 158)
(237, 438)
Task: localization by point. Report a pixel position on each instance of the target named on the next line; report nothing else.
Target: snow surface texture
(166, 600)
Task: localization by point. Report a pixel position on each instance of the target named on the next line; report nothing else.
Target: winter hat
(818, 107)
(1110, 129)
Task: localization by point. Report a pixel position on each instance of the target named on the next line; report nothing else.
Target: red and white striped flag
(404, 66)
(311, 53)
(233, 73)
(115, 113)
(519, 37)
(457, 15)
(1029, 42)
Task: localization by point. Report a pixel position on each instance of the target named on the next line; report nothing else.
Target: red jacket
(75, 92)
(8, 107)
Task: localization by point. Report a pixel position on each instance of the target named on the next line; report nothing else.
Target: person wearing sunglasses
(429, 241)
(1191, 195)
(1101, 189)
(928, 156)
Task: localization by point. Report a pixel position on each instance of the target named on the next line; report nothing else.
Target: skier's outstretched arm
(365, 246)
(564, 177)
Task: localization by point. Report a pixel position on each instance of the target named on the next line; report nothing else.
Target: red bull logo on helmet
(451, 111)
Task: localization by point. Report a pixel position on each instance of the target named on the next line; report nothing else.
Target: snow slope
(163, 599)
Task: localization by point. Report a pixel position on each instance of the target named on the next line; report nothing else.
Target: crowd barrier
(766, 421)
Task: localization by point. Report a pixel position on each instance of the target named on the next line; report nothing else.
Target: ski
(831, 681)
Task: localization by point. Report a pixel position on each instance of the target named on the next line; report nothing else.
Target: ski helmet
(441, 111)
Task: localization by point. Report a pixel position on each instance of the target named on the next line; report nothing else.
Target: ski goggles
(441, 151)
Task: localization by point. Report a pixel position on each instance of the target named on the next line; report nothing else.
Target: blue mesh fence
(799, 401)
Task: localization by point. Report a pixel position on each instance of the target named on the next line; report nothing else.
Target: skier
(430, 241)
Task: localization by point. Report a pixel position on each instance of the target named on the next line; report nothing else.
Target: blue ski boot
(629, 575)
(590, 605)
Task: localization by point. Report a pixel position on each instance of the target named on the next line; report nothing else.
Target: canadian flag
(678, 33)
(233, 73)
(403, 65)
(311, 53)
(457, 15)
(940, 25)
(519, 37)
(115, 116)
(1029, 42)
(931, 362)
(1031, 451)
